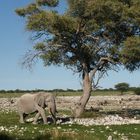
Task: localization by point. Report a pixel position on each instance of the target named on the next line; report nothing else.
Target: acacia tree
(91, 37)
(122, 87)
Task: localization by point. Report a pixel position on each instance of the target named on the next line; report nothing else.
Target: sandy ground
(95, 102)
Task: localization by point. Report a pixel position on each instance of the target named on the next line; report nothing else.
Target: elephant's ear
(39, 99)
(47, 97)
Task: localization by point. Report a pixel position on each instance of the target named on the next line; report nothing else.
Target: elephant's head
(49, 101)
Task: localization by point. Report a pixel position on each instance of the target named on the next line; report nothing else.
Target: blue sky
(15, 41)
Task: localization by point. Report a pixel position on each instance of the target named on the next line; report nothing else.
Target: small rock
(110, 138)
(30, 120)
(107, 127)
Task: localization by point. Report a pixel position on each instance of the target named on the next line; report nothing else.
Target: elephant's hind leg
(21, 114)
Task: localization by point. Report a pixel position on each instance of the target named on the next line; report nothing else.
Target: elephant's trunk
(53, 113)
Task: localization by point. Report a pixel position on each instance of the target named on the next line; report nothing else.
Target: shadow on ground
(6, 137)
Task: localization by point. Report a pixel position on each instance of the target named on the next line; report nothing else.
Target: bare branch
(92, 72)
(79, 26)
(100, 75)
(39, 34)
(100, 65)
(92, 37)
(30, 59)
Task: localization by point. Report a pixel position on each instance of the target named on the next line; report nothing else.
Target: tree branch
(92, 37)
(100, 75)
(30, 59)
(101, 62)
(79, 26)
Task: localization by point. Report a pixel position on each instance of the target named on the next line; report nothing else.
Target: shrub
(137, 91)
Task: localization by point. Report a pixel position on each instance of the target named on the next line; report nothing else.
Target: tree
(122, 87)
(137, 91)
(91, 38)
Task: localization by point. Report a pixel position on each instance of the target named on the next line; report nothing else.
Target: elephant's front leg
(42, 112)
(36, 118)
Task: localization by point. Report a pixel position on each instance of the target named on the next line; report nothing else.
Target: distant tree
(122, 87)
(70, 90)
(18, 91)
(59, 90)
(137, 91)
(2, 91)
(110, 89)
(91, 38)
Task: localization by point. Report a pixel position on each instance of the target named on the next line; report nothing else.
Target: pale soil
(95, 102)
(102, 102)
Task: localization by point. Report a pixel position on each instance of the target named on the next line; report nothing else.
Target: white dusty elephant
(30, 103)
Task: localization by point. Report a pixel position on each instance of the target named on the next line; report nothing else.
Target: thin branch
(79, 26)
(100, 75)
(100, 64)
(92, 72)
(92, 37)
(30, 58)
(39, 34)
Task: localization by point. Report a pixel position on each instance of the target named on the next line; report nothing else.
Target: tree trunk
(87, 87)
(80, 106)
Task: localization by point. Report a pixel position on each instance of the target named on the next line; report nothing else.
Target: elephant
(30, 103)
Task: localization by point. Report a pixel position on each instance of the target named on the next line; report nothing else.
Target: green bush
(137, 91)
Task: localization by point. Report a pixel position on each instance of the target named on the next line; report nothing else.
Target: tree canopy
(122, 87)
(89, 31)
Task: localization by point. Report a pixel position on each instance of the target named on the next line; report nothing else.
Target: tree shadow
(51, 137)
(40, 137)
(60, 119)
(127, 112)
(44, 137)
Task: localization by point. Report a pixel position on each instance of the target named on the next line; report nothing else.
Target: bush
(137, 91)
